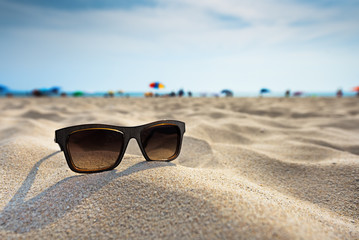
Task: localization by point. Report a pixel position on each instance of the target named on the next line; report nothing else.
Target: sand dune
(250, 168)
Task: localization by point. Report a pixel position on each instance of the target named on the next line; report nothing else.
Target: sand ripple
(253, 168)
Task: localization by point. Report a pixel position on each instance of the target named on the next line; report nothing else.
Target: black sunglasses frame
(62, 138)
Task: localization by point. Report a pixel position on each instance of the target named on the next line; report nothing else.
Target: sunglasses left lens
(95, 149)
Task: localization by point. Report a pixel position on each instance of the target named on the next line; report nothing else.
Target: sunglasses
(93, 148)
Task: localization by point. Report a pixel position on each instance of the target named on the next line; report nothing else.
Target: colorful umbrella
(227, 92)
(264, 90)
(157, 85)
(78, 94)
(356, 89)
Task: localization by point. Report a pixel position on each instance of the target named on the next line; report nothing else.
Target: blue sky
(202, 45)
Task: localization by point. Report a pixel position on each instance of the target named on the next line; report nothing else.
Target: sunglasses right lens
(95, 149)
(161, 142)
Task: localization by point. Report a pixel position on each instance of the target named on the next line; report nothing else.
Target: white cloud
(194, 37)
(184, 22)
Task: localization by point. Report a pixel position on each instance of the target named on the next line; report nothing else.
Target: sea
(161, 94)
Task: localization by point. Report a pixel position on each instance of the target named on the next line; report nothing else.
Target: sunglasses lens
(161, 142)
(95, 149)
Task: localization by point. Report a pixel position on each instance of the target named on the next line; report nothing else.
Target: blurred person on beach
(287, 93)
(180, 93)
(339, 93)
(110, 94)
(148, 94)
(36, 93)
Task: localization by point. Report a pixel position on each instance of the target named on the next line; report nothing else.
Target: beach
(250, 168)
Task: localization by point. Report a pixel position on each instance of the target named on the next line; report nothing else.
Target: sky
(202, 45)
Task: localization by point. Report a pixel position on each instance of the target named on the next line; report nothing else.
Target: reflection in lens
(95, 149)
(161, 142)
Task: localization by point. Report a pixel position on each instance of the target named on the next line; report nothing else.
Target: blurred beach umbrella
(45, 91)
(297, 94)
(111, 93)
(356, 89)
(55, 90)
(78, 94)
(264, 90)
(227, 92)
(121, 92)
(3, 88)
(157, 85)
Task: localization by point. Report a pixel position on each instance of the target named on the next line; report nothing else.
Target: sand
(250, 168)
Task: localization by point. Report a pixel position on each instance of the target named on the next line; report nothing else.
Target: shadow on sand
(22, 216)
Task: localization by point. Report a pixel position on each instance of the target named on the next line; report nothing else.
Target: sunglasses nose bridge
(133, 133)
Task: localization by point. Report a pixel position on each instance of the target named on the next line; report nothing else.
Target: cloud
(206, 39)
(185, 22)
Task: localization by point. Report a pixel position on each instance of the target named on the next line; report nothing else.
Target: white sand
(249, 169)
